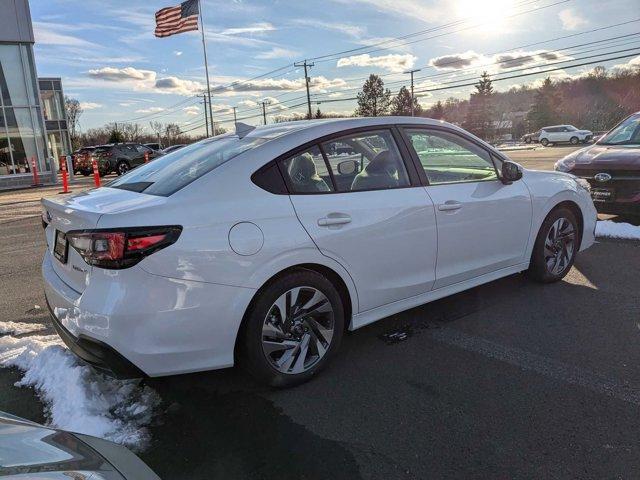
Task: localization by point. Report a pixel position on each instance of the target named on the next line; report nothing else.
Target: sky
(111, 62)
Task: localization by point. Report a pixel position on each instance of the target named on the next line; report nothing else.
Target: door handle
(334, 219)
(449, 205)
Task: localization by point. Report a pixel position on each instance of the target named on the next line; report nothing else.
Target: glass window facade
(55, 120)
(21, 127)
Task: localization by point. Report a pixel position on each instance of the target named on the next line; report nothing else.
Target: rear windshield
(169, 173)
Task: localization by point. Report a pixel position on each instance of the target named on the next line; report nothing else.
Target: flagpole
(206, 68)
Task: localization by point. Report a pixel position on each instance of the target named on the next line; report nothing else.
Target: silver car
(29, 450)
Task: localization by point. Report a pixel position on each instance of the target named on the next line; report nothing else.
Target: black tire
(544, 142)
(251, 354)
(122, 167)
(574, 140)
(539, 268)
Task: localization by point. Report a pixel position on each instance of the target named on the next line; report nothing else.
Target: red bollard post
(34, 170)
(65, 174)
(96, 173)
(146, 157)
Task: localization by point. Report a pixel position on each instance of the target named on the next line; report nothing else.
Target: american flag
(172, 20)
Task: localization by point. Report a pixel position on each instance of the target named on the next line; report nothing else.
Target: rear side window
(168, 174)
(306, 172)
(366, 161)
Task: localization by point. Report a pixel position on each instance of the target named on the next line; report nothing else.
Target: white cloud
(392, 62)
(274, 103)
(571, 20)
(192, 110)
(277, 52)
(113, 74)
(179, 86)
(177, 53)
(631, 66)
(319, 84)
(90, 105)
(51, 34)
(408, 8)
(247, 103)
(151, 110)
(349, 29)
(260, 27)
(494, 63)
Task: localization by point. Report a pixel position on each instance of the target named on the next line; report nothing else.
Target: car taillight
(121, 248)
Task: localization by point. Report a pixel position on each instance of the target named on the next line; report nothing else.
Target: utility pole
(412, 97)
(264, 112)
(206, 116)
(305, 64)
(235, 117)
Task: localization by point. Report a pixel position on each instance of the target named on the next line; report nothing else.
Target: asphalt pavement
(508, 380)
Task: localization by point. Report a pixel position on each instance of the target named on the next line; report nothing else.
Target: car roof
(321, 127)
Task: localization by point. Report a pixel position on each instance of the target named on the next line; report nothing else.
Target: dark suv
(121, 157)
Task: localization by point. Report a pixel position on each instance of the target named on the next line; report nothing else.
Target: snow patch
(19, 328)
(607, 228)
(76, 397)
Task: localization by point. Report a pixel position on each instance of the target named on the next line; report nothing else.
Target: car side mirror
(511, 172)
(349, 167)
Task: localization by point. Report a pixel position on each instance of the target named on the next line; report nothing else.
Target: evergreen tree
(546, 107)
(318, 113)
(436, 111)
(480, 114)
(115, 136)
(374, 99)
(401, 103)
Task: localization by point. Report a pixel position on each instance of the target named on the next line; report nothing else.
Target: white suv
(564, 134)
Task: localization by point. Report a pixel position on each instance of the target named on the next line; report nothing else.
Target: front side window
(627, 133)
(306, 172)
(448, 158)
(366, 161)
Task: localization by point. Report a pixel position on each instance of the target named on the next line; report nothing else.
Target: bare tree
(158, 129)
(74, 111)
(171, 133)
(133, 132)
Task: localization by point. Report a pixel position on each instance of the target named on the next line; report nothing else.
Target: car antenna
(242, 129)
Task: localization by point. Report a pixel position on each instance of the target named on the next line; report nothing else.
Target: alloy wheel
(297, 330)
(122, 168)
(559, 246)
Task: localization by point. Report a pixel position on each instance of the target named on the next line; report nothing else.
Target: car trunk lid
(82, 212)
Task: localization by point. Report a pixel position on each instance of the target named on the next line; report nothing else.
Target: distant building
(55, 117)
(22, 134)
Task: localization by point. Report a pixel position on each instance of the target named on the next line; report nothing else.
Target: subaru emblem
(602, 177)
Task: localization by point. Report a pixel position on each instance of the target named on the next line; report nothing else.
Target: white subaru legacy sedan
(262, 247)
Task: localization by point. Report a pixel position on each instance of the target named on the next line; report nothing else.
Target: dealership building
(23, 135)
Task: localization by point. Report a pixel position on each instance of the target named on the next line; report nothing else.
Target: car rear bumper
(132, 323)
(96, 353)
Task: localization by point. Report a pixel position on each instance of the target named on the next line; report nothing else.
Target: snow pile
(607, 228)
(76, 397)
(19, 328)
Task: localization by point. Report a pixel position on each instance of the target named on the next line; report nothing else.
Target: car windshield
(626, 133)
(571, 128)
(177, 169)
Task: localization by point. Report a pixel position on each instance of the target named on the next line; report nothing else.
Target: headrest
(302, 168)
(383, 162)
